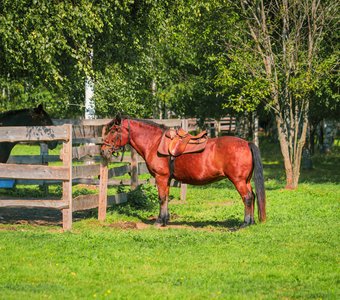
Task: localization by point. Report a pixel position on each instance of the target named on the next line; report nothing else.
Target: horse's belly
(194, 169)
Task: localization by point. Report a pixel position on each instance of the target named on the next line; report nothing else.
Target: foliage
(46, 48)
(191, 58)
(283, 65)
(144, 197)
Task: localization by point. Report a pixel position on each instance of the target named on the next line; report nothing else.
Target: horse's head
(116, 135)
(41, 118)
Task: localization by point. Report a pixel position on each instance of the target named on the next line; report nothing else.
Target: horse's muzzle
(106, 153)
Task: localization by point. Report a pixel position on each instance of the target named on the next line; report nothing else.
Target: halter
(119, 138)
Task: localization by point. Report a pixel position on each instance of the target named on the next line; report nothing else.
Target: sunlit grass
(294, 255)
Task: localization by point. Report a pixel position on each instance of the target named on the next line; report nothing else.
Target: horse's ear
(107, 127)
(39, 109)
(104, 130)
(118, 119)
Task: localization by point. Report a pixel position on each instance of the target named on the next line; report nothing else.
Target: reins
(119, 138)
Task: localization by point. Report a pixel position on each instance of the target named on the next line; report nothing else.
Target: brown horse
(223, 157)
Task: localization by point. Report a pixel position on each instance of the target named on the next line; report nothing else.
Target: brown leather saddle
(175, 142)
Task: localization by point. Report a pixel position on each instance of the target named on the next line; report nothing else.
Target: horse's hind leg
(163, 194)
(248, 198)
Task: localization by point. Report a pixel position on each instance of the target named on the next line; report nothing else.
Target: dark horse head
(23, 117)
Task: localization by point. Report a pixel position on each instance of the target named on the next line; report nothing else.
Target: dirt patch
(128, 225)
(141, 225)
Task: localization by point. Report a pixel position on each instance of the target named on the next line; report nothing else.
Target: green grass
(294, 255)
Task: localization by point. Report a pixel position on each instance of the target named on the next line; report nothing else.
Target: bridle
(118, 138)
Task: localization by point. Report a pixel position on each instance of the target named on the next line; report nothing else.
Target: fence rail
(64, 173)
(76, 136)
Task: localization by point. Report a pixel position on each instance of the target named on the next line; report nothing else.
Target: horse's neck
(144, 138)
(5, 151)
(18, 120)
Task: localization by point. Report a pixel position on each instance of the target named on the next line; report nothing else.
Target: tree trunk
(291, 149)
(255, 128)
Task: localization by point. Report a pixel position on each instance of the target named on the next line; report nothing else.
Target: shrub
(145, 197)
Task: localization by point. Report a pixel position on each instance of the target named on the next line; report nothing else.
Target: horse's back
(226, 156)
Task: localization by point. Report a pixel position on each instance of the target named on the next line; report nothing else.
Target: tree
(45, 48)
(285, 38)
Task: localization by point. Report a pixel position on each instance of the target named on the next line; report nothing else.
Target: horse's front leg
(162, 183)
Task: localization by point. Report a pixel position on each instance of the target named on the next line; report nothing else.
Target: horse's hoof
(159, 223)
(247, 224)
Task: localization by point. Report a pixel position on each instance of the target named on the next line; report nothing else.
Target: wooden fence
(41, 172)
(80, 144)
(82, 136)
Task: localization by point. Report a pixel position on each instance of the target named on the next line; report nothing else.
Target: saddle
(175, 142)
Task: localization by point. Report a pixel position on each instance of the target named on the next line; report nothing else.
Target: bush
(145, 197)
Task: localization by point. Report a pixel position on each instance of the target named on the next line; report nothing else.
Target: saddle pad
(163, 147)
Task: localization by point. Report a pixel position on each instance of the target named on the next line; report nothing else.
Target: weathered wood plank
(167, 122)
(67, 185)
(102, 201)
(101, 122)
(85, 171)
(90, 181)
(117, 199)
(79, 122)
(81, 151)
(44, 203)
(142, 168)
(119, 171)
(33, 133)
(33, 172)
(32, 159)
(86, 132)
(88, 141)
(84, 202)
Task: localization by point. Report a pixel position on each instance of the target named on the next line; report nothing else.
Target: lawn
(202, 255)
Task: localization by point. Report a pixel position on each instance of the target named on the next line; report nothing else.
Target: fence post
(43, 155)
(102, 205)
(67, 185)
(184, 186)
(134, 169)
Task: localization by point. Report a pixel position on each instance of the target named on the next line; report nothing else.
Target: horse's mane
(146, 121)
(150, 122)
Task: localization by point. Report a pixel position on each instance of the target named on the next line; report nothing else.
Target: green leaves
(46, 44)
(197, 55)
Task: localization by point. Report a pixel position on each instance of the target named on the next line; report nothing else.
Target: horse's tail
(259, 182)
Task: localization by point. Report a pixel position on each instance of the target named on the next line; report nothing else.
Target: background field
(202, 255)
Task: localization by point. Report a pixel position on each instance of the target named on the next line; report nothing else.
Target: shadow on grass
(39, 216)
(231, 224)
